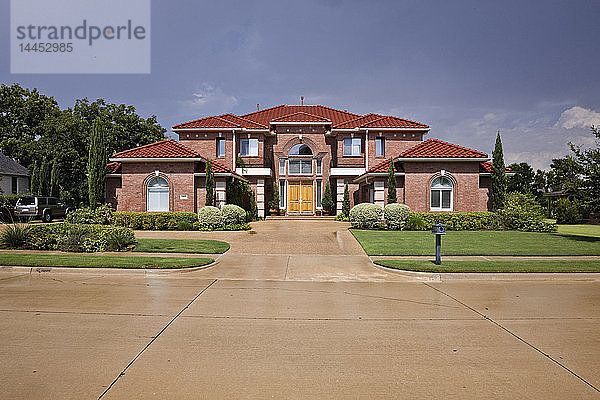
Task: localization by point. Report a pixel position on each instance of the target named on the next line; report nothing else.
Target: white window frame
(220, 141)
(252, 151)
(440, 189)
(282, 164)
(300, 161)
(319, 194)
(381, 140)
(319, 166)
(282, 194)
(355, 144)
(157, 190)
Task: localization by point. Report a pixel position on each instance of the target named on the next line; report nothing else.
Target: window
(220, 147)
(352, 147)
(249, 147)
(42, 201)
(300, 167)
(300, 150)
(380, 146)
(441, 194)
(319, 163)
(15, 185)
(319, 194)
(282, 166)
(52, 201)
(158, 194)
(282, 194)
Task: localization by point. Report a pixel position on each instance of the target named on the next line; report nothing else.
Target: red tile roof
(434, 148)
(113, 168)
(487, 167)
(267, 115)
(384, 166)
(300, 117)
(163, 149)
(380, 121)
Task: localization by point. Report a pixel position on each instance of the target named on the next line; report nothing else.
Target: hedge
(101, 215)
(366, 216)
(460, 221)
(233, 215)
(395, 216)
(78, 237)
(178, 220)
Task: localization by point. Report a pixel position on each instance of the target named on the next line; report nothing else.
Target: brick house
(299, 148)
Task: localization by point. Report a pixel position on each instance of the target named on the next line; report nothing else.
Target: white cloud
(210, 99)
(578, 117)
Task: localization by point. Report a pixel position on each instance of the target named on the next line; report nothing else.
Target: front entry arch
(300, 197)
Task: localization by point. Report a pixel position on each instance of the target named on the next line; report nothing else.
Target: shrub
(210, 217)
(366, 216)
(14, 236)
(184, 225)
(172, 224)
(346, 202)
(161, 221)
(155, 220)
(342, 217)
(523, 213)
(395, 216)
(79, 237)
(566, 212)
(233, 215)
(460, 221)
(327, 200)
(100, 215)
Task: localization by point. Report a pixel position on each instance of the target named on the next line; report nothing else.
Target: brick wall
(205, 143)
(349, 161)
(113, 191)
(395, 144)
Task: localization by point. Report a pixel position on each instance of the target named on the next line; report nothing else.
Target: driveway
(298, 250)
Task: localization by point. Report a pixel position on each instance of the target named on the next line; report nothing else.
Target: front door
(300, 198)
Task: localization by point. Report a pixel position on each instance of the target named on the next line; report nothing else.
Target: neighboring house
(299, 148)
(14, 178)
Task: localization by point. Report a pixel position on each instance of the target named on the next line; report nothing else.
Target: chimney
(257, 107)
(302, 100)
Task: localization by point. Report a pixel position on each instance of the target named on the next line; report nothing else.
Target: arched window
(442, 194)
(158, 194)
(300, 150)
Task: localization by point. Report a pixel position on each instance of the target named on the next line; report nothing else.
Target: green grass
(181, 246)
(580, 230)
(494, 266)
(99, 261)
(509, 243)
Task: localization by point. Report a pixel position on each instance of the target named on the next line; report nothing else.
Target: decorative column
(220, 192)
(260, 197)
(379, 195)
(339, 195)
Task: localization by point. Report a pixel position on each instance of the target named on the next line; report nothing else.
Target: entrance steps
(298, 217)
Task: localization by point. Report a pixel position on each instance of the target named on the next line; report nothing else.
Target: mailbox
(438, 228)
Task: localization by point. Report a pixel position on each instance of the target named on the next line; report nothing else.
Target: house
(299, 148)
(14, 178)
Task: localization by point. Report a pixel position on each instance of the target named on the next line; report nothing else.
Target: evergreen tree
(391, 198)
(35, 172)
(54, 176)
(96, 166)
(210, 184)
(346, 202)
(44, 178)
(327, 201)
(499, 179)
(274, 203)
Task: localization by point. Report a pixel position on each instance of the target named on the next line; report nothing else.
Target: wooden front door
(300, 198)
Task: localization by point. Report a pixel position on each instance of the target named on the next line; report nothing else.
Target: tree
(35, 179)
(522, 180)
(391, 197)
(274, 203)
(327, 201)
(54, 176)
(210, 184)
(589, 162)
(96, 166)
(44, 178)
(498, 175)
(346, 202)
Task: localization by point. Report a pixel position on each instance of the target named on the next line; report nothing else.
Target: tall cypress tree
(44, 178)
(499, 178)
(54, 189)
(346, 202)
(391, 197)
(210, 184)
(35, 179)
(96, 165)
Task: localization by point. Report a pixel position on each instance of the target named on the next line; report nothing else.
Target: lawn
(509, 243)
(99, 261)
(181, 246)
(581, 230)
(494, 266)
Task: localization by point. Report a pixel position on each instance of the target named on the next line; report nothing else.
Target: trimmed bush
(210, 217)
(155, 220)
(460, 221)
(566, 212)
(233, 215)
(395, 216)
(366, 216)
(14, 236)
(522, 212)
(79, 237)
(101, 215)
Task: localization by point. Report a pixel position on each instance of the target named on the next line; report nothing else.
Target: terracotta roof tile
(487, 167)
(163, 149)
(434, 148)
(380, 121)
(113, 168)
(268, 114)
(384, 166)
(357, 122)
(301, 117)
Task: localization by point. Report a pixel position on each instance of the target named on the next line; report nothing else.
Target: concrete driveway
(89, 336)
(298, 250)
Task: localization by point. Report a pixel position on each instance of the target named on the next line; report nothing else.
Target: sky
(467, 68)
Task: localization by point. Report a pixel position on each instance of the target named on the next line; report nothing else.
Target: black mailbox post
(438, 229)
